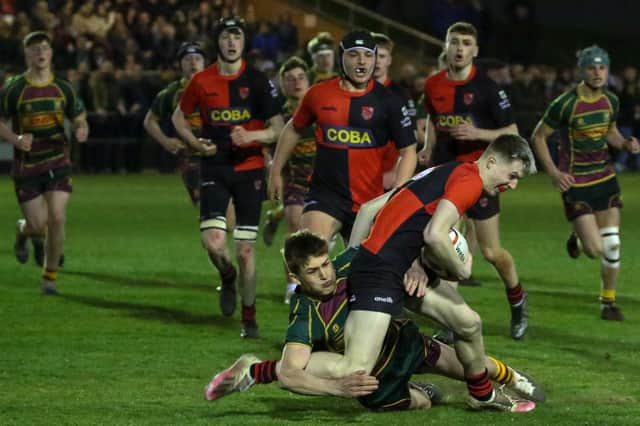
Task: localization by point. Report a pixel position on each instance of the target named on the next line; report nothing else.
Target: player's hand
(207, 148)
(465, 132)
(173, 145)
(415, 281)
(82, 133)
(24, 142)
(357, 384)
(240, 136)
(632, 145)
(423, 157)
(563, 181)
(274, 186)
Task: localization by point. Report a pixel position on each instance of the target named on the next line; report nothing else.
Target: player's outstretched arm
(364, 218)
(152, 126)
(562, 181)
(615, 139)
(407, 165)
(293, 376)
(287, 141)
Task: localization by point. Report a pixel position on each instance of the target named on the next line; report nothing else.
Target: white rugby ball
(459, 244)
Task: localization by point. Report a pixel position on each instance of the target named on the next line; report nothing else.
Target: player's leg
(32, 225)
(293, 214)
(320, 223)
(248, 194)
(214, 200)
(609, 224)
(190, 171)
(488, 234)
(56, 217)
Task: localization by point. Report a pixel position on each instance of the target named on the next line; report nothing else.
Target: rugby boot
(228, 294)
(520, 318)
(48, 287)
(573, 249)
(610, 312)
(524, 385)
(249, 329)
(20, 247)
(236, 378)
(270, 228)
(502, 402)
(38, 250)
(435, 395)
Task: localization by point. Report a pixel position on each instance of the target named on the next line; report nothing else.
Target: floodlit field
(136, 332)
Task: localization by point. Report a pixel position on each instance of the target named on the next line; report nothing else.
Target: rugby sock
(228, 276)
(249, 313)
(607, 296)
(264, 372)
(503, 374)
(49, 275)
(515, 295)
(480, 386)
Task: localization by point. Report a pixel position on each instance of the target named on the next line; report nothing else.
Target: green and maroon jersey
(318, 323)
(163, 107)
(584, 153)
(40, 109)
(299, 168)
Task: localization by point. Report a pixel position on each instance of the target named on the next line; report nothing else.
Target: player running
(584, 176)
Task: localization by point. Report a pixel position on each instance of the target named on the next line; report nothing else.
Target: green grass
(136, 332)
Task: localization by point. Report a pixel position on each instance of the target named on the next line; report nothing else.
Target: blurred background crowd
(120, 53)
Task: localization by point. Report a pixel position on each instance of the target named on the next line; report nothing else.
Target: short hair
(300, 246)
(383, 40)
(35, 37)
(463, 28)
(321, 42)
(513, 147)
(293, 63)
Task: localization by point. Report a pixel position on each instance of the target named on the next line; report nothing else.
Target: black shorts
(247, 188)
(29, 188)
(337, 208)
(586, 200)
(375, 285)
(486, 207)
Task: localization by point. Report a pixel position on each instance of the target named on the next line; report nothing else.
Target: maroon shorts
(30, 187)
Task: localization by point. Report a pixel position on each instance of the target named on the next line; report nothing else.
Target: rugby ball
(459, 244)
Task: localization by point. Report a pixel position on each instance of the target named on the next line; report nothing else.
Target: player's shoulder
(436, 79)
(15, 80)
(569, 95)
(613, 98)
(323, 85)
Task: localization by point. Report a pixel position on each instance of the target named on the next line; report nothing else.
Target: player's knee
(213, 239)
(610, 247)
(245, 251)
(245, 234)
(593, 248)
(468, 325)
(55, 219)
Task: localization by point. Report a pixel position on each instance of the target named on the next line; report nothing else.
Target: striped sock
(264, 372)
(49, 275)
(515, 295)
(480, 386)
(503, 374)
(607, 296)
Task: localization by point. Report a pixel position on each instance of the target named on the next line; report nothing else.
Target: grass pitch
(136, 332)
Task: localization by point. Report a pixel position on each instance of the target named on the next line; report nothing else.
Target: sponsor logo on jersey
(446, 121)
(43, 120)
(367, 112)
(229, 115)
(329, 108)
(348, 136)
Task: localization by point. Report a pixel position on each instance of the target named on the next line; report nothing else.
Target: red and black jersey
(396, 235)
(477, 100)
(352, 131)
(244, 99)
(391, 153)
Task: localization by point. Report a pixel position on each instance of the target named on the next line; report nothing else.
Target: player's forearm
(541, 149)
(286, 143)
(615, 138)
(406, 165)
(7, 134)
(183, 128)
(152, 127)
(364, 218)
(300, 381)
(440, 250)
(489, 135)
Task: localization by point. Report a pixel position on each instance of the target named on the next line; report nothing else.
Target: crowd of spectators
(120, 53)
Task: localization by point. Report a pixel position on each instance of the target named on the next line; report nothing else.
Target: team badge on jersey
(367, 112)
(243, 92)
(468, 98)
